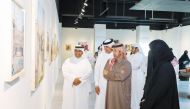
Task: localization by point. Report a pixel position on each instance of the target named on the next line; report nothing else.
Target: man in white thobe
(137, 60)
(100, 81)
(76, 87)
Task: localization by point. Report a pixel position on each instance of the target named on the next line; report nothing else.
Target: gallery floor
(183, 87)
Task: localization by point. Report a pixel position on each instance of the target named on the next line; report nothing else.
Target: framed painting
(128, 47)
(54, 50)
(47, 47)
(68, 47)
(39, 46)
(50, 51)
(17, 40)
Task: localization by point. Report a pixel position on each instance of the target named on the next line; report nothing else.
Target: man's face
(134, 50)
(116, 53)
(108, 49)
(78, 53)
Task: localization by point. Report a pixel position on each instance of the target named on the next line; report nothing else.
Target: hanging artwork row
(45, 44)
(39, 45)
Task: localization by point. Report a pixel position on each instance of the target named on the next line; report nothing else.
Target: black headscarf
(184, 57)
(159, 53)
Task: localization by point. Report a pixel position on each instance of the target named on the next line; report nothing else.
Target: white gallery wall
(123, 35)
(72, 36)
(185, 39)
(173, 38)
(18, 94)
(177, 38)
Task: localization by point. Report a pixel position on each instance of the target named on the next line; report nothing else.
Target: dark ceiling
(116, 14)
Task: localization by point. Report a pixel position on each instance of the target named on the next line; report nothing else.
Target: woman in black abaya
(183, 61)
(160, 90)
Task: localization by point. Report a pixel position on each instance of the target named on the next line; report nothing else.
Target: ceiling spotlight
(76, 21)
(85, 4)
(83, 10)
(81, 13)
(80, 16)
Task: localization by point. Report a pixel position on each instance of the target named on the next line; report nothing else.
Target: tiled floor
(57, 100)
(183, 88)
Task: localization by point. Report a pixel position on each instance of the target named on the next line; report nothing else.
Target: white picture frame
(17, 42)
(38, 46)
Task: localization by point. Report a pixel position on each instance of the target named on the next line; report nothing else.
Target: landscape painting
(39, 45)
(18, 25)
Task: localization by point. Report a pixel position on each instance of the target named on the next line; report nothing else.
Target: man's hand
(77, 81)
(97, 89)
(113, 60)
(142, 102)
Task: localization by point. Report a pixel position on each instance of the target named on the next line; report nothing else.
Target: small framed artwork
(128, 47)
(68, 47)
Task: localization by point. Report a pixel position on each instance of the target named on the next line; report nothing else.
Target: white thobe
(100, 80)
(91, 59)
(138, 79)
(76, 97)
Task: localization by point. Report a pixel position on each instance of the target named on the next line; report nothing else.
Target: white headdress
(108, 42)
(79, 47)
(139, 47)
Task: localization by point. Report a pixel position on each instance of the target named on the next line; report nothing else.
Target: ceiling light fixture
(85, 4)
(76, 21)
(80, 16)
(83, 10)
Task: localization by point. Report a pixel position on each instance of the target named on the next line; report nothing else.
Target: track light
(83, 10)
(85, 4)
(80, 16)
(76, 21)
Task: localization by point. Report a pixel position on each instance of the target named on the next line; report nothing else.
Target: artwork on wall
(68, 47)
(18, 34)
(128, 47)
(54, 52)
(51, 51)
(47, 47)
(56, 47)
(39, 45)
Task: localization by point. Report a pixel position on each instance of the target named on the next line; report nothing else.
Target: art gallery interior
(36, 36)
